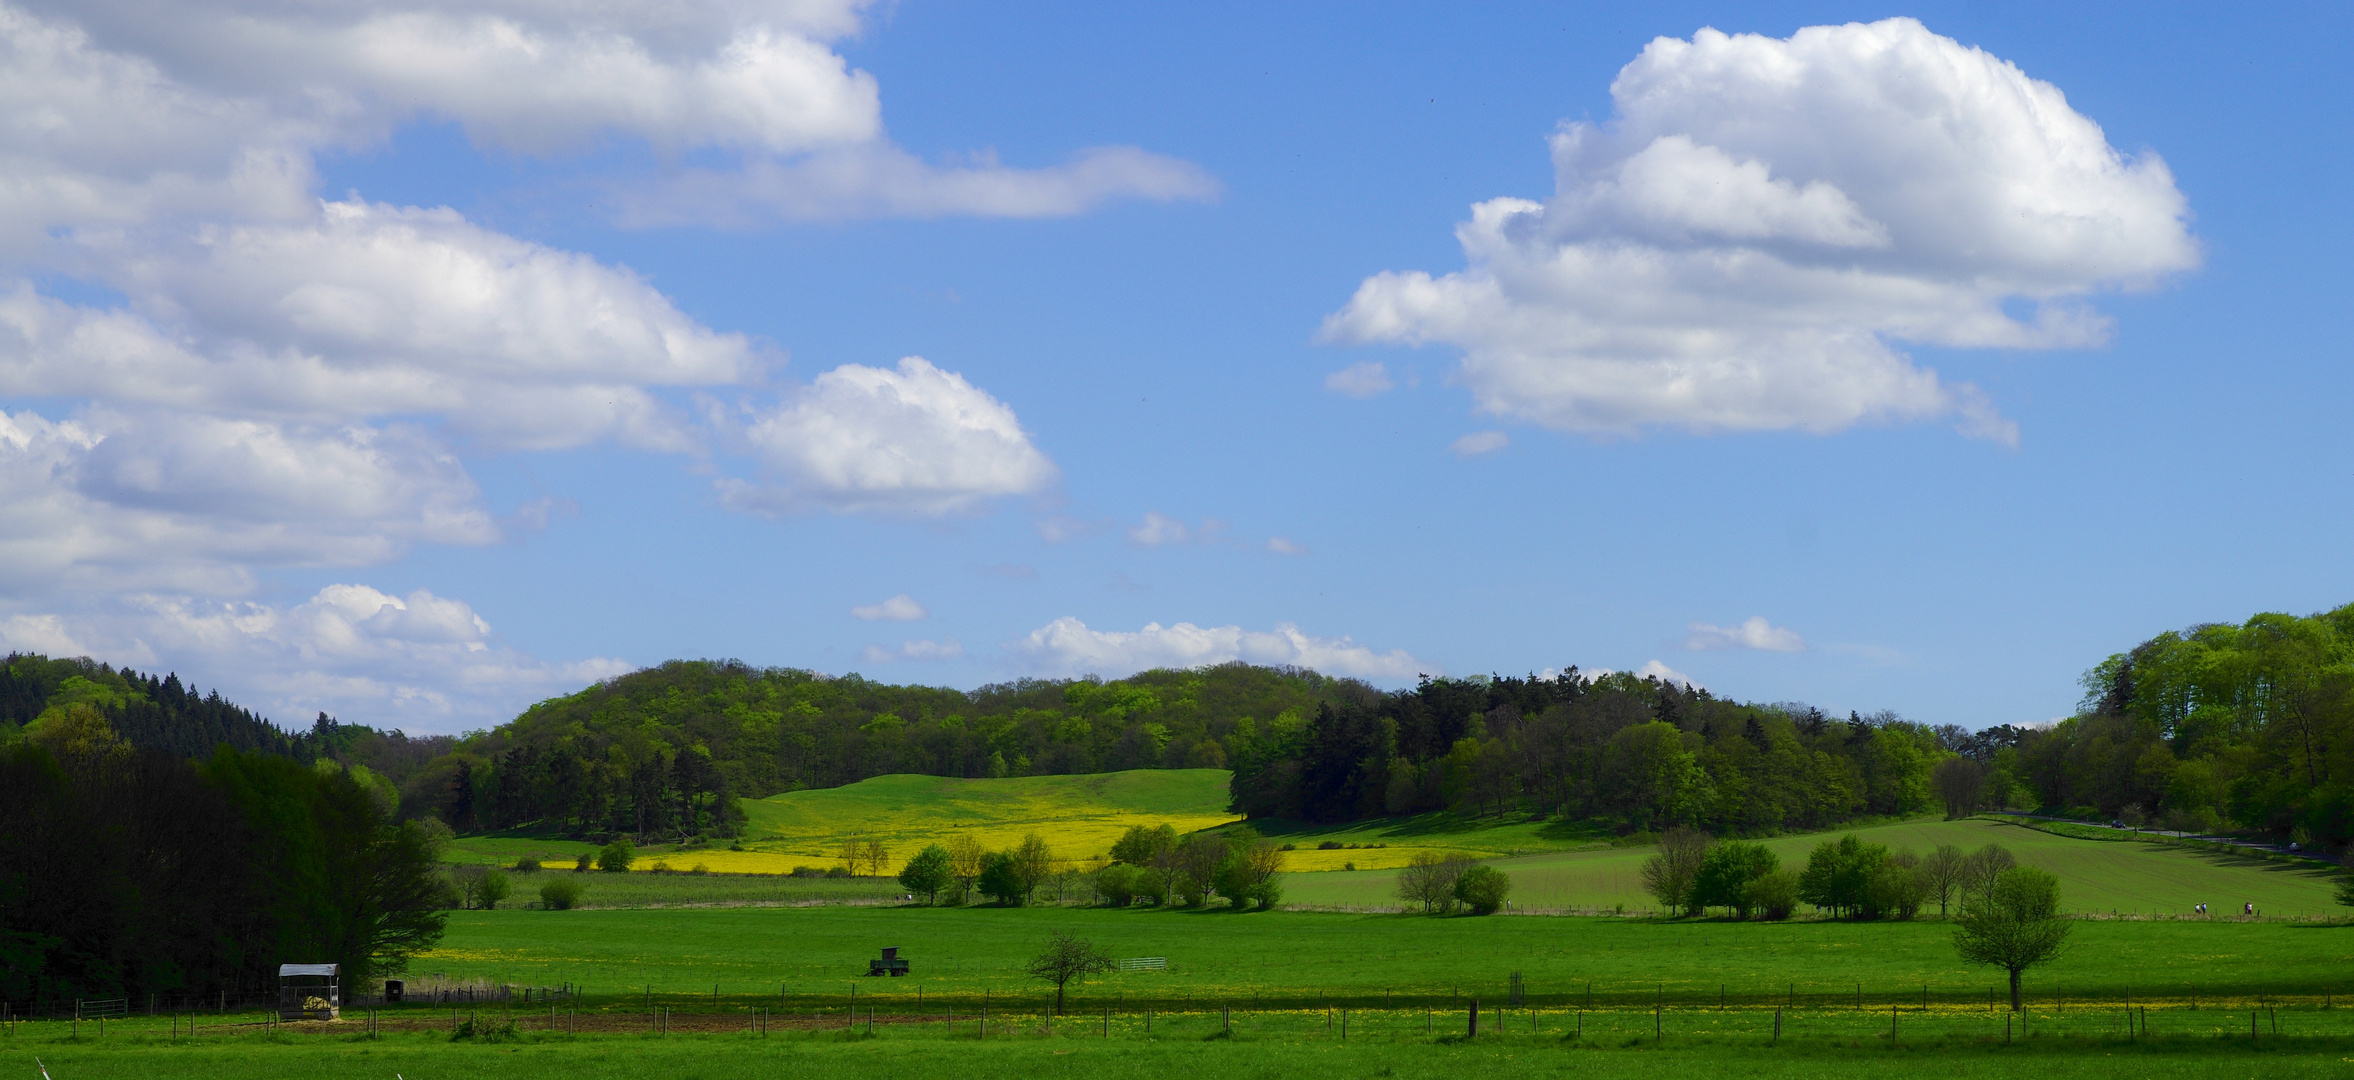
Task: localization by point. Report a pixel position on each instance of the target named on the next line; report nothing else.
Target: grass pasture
(1615, 1047)
(815, 955)
(2096, 876)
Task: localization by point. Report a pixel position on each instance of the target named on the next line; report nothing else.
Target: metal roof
(307, 969)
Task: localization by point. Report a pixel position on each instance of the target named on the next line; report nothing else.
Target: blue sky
(362, 362)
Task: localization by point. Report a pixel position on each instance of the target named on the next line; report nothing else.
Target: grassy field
(1614, 1047)
(2095, 875)
(815, 955)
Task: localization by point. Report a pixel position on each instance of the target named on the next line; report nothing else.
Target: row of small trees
(1149, 865)
(1441, 882)
(1693, 873)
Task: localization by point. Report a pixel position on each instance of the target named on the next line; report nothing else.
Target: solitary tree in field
(1068, 958)
(853, 853)
(876, 856)
(2016, 926)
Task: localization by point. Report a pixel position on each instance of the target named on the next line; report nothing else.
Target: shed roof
(307, 969)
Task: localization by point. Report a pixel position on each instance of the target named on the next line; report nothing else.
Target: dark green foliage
(1839, 874)
(928, 872)
(1646, 753)
(140, 872)
(2217, 726)
(1001, 878)
(1482, 888)
(617, 856)
(1726, 873)
(667, 750)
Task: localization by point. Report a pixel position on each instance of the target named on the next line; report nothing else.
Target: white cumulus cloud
(914, 439)
(1067, 646)
(900, 608)
(418, 661)
(1751, 633)
(1747, 242)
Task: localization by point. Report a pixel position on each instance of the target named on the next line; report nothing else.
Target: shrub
(1772, 895)
(617, 856)
(807, 871)
(1116, 884)
(529, 864)
(1291, 847)
(661, 866)
(1482, 889)
(700, 868)
(586, 862)
(480, 886)
(1152, 884)
(560, 894)
(837, 871)
(1329, 845)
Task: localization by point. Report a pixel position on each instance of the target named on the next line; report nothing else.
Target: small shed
(890, 964)
(309, 991)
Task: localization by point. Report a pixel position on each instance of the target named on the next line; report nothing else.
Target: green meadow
(2096, 876)
(813, 958)
(1076, 1052)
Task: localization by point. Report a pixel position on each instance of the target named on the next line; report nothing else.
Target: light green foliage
(1001, 878)
(1483, 889)
(617, 856)
(2014, 927)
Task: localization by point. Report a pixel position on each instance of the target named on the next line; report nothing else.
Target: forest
(2216, 727)
(129, 872)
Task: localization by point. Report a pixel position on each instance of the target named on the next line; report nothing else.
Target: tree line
(1637, 751)
(1147, 865)
(126, 872)
(2246, 727)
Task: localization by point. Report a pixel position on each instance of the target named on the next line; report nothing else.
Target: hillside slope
(2095, 876)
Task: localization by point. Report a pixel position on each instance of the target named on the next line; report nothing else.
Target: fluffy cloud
(283, 381)
(420, 661)
(900, 608)
(114, 501)
(1067, 647)
(914, 440)
(1752, 633)
(1741, 247)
